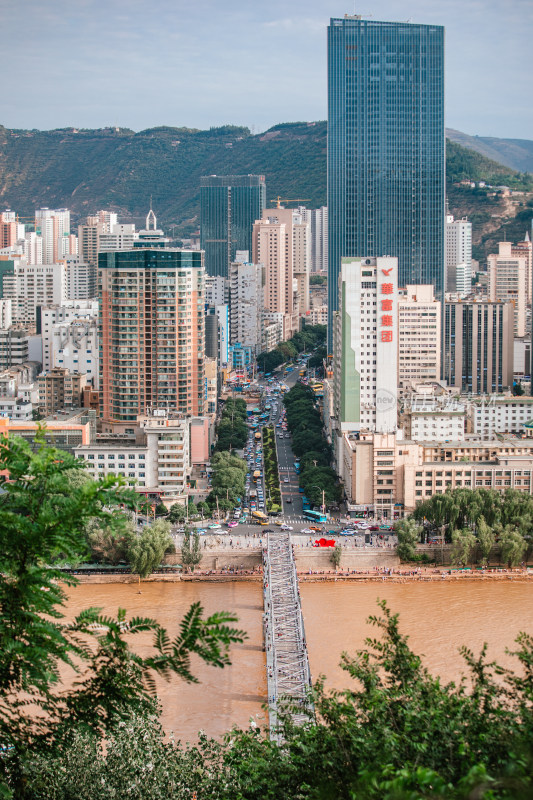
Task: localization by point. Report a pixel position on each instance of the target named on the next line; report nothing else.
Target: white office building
(33, 285)
(74, 346)
(419, 335)
(458, 256)
(499, 414)
(52, 316)
(81, 279)
(366, 346)
(121, 237)
(160, 464)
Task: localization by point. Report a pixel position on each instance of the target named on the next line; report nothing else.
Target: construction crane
(279, 200)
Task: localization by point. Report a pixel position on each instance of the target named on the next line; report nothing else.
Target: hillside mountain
(86, 170)
(118, 169)
(514, 153)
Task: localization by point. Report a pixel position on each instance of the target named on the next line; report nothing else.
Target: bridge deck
(288, 674)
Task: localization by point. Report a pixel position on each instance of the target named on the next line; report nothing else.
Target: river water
(439, 618)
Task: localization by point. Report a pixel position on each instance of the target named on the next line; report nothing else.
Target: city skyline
(96, 65)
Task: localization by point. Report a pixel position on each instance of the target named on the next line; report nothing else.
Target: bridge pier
(287, 662)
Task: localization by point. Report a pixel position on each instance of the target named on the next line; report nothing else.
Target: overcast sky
(141, 63)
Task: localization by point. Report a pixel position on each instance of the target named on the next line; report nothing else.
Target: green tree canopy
(408, 532)
(43, 517)
(190, 550)
(397, 733)
(463, 546)
(108, 544)
(147, 549)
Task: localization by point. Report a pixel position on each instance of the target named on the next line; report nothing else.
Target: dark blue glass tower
(230, 204)
(386, 167)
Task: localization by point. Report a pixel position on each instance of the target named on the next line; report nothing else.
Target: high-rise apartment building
(152, 328)
(458, 255)
(419, 336)
(507, 282)
(318, 223)
(386, 176)
(281, 244)
(365, 370)
(478, 346)
(246, 305)
(34, 285)
(525, 250)
(230, 204)
(53, 225)
(88, 234)
(80, 279)
(33, 248)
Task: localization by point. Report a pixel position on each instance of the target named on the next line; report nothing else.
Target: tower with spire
(151, 235)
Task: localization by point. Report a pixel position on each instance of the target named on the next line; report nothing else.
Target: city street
(249, 534)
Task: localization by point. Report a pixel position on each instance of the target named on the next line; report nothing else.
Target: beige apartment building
(59, 388)
(281, 243)
(507, 274)
(525, 250)
(419, 335)
(390, 475)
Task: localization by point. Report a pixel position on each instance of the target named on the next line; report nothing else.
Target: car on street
(232, 524)
(306, 530)
(315, 528)
(201, 531)
(214, 526)
(288, 500)
(285, 527)
(285, 480)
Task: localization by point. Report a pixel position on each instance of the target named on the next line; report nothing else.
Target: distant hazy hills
(86, 170)
(514, 153)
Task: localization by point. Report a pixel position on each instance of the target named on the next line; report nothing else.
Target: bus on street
(259, 517)
(257, 475)
(315, 516)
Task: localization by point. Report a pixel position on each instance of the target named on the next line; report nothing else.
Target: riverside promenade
(287, 662)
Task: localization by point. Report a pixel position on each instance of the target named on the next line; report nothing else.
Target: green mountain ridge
(120, 169)
(514, 153)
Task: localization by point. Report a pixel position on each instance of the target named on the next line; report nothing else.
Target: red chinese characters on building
(386, 319)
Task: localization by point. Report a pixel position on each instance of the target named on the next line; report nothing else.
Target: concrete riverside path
(288, 673)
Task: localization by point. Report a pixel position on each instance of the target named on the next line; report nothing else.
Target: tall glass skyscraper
(386, 159)
(230, 204)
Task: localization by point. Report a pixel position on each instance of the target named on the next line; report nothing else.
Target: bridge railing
(288, 672)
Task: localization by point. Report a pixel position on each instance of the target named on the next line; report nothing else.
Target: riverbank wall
(328, 575)
(314, 558)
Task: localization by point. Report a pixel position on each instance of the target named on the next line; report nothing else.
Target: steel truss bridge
(288, 674)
